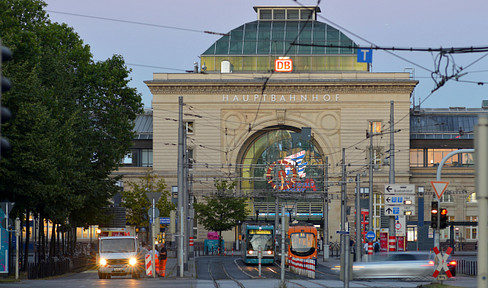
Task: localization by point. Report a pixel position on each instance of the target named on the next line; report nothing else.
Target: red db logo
(283, 65)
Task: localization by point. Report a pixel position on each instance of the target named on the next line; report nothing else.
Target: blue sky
(386, 23)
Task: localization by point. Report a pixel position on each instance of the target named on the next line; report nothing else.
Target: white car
(119, 256)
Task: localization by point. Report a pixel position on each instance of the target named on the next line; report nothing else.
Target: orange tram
(302, 249)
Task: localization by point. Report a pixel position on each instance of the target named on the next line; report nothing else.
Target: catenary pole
(325, 239)
(371, 197)
(392, 229)
(358, 220)
(180, 186)
(481, 152)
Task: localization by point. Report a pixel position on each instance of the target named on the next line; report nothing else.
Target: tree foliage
(222, 210)
(138, 204)
(73, 118)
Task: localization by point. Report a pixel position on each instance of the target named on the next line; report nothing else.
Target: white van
(119, 256)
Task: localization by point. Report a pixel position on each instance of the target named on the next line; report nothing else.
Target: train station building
(287, 106)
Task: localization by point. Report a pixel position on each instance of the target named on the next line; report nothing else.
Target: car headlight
(132, 261)
(103, 261)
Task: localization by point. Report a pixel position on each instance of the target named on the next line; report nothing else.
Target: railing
(467, 267)
(51, 267)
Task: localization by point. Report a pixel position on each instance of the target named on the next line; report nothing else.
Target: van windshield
(117, 245)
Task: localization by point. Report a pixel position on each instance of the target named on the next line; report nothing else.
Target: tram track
(215, 281)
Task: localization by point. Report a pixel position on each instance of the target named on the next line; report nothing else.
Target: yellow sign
(256, 231)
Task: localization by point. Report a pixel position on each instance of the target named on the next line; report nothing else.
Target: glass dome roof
(275, 38)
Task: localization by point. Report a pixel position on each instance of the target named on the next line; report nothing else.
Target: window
(375, 126)
(127, 158)
(432, 158)
(189, 127)
(146, 157)
(472, 198)
(376, 156)
(189, 153)
(279, 14)
(306, 14)
(471, 231)
(265, 14)
(293, 15)
(447, 197)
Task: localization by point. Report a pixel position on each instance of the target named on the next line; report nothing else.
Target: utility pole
(185, 201)
(481, 152)
(371, 197)
(392, 229)
(325, 239)
(358, 220)
(181, 222)
(344, 235)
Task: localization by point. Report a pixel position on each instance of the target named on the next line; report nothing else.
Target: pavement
(190, 274)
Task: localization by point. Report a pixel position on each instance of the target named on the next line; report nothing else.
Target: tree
(137, 203)
(72, 119)
(222, 210)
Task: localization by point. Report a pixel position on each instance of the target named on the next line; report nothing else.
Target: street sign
(371, 236)
(150, 213)
(399, 189)
(365, 55)
(165, 220)
(342, 232)
(442, 262)
(394, 211)
(439, 187)
(399, 199)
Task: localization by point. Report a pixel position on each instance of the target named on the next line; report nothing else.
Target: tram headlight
(269, 252)
(250, 252)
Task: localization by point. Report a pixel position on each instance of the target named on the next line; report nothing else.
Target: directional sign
(439, 187)
(342, 232)
(399, 200)
(399, 189)
(394, 211)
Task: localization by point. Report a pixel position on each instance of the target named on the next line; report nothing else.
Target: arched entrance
(284, 162)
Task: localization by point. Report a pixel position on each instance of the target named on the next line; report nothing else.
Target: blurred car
(451, 264)
(395, 265)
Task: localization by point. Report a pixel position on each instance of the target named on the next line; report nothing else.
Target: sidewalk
(172, 269)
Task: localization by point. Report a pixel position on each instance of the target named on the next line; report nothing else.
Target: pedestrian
(163, 257)
(376, 246)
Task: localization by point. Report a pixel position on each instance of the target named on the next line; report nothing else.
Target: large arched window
(282, 160)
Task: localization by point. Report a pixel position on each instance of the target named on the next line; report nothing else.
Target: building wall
(228, 109)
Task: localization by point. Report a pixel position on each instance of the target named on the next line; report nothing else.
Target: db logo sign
(283, 65)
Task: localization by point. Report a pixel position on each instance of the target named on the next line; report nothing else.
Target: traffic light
(434, 214)
(443, 224)
(6, 85)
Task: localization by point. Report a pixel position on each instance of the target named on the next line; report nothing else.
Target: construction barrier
(391, 244)
(370, 248)
(305, 267)
(148, 263)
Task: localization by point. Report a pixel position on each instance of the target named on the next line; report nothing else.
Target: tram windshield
(302, 244)
(260, 240)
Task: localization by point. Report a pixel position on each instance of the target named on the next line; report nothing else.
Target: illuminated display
(256, 231)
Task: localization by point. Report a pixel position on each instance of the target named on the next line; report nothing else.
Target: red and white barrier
(148, 265)
(305, 267)
(391, 244)
(370, 248)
